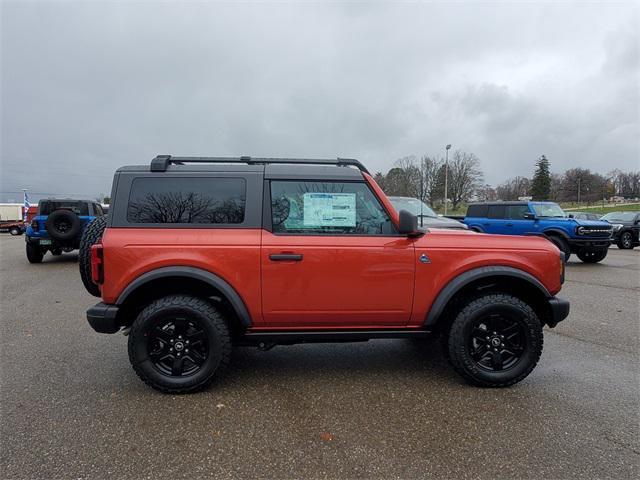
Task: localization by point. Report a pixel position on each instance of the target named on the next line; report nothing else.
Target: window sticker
(329, 210)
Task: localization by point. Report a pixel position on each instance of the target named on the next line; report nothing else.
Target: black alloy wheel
(497, 342)
(626, 241)
(178, 347)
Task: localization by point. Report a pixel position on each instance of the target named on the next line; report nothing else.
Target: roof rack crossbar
(162, 162)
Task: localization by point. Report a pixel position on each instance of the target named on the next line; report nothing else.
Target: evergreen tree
(541, 183)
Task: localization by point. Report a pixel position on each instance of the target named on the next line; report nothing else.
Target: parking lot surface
(72, 407)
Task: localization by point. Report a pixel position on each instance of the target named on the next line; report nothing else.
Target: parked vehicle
(626, 228)
(58, 226)
(199, 254)
(426, 216)
(588, 239)
(584, 216)
(12, 226)
(11, 220)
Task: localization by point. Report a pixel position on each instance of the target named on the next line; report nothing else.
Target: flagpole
(25, 205)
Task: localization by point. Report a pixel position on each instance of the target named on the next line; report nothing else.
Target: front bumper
(103, 318)
(559, 308)
(595, 243)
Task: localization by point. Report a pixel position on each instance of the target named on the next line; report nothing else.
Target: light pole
(446, 175)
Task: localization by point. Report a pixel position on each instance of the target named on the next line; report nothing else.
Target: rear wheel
(15, 231)
(34, 253)
(179, 344)
(626, 241)
(563, 245)
(495, 341)
(592, 256)
(91, 235)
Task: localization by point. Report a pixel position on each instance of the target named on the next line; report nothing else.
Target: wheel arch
(556, 231)
(182, 279)
(491, 279)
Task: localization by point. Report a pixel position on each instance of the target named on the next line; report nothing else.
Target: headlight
(617, 226)
(580, 230)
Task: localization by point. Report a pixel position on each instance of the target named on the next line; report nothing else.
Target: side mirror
(408, 224)
(529, 216)
(570, 215)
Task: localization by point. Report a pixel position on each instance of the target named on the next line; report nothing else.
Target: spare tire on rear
(63, 225)
(92, 235)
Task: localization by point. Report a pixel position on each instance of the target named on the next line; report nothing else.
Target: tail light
(34, 225)
(97, 264)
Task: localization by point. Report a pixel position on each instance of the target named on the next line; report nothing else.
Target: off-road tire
(481, 307)
(626, 241)
(92, 235)
(592, 256)
(563, 245)
(191, 308)
(34, 253)
(75, 225)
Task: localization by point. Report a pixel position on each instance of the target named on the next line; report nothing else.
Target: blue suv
(58, 226)
(588, 239)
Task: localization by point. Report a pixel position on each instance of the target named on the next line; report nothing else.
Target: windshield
(412, 205)
(619, 217)
(548, 210)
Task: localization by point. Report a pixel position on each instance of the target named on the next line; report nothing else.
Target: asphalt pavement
(72, 407)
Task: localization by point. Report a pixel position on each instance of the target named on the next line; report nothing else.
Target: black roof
(506, 202)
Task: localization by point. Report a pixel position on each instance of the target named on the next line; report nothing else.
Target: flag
(26, 206)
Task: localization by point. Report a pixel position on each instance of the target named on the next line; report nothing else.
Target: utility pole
(579, 189)
(446, 176)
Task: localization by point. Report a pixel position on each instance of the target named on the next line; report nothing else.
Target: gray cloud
(87, 87)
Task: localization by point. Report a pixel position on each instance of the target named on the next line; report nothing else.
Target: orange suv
(199, 254)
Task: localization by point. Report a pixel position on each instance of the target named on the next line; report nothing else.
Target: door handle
(509, 224)
(285, 257)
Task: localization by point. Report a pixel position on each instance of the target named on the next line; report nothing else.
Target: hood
(591, 223)
(440, 222)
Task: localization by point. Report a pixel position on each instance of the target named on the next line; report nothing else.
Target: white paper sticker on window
(329, 209)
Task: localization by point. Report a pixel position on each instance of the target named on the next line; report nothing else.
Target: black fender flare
(197, 274)
(465, 278)
(556, 231)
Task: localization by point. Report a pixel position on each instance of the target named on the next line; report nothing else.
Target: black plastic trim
(290, 337)
(198, 274)
(560, 309)
(102, 318)
(469, 276)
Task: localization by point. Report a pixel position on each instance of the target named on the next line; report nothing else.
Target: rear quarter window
(496, 211)
(477, 211)
(187, 200)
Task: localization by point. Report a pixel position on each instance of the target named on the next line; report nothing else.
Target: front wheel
(35, 254)
(495, 341)
(563, 245)
(179, 344)
(626, 241)
(15, 231)
(592, 256)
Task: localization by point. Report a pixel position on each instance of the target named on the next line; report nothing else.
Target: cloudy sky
(88, 87)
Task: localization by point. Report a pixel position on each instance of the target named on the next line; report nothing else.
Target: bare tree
(465, 177)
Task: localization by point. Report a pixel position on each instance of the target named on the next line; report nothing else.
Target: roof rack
(162, 162)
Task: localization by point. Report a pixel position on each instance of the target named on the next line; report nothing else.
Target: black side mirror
(408, 224)
(529, 216)
(570, 215)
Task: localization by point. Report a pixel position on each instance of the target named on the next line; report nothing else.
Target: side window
(516, 212)
(496, 211)
(316, 208)
(477, 211)
(187, 200)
